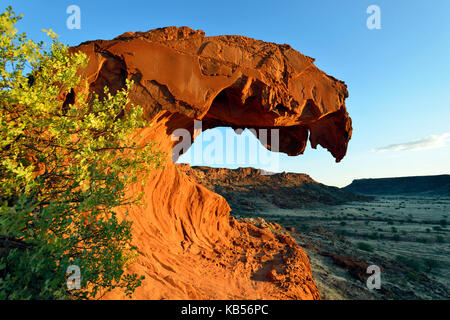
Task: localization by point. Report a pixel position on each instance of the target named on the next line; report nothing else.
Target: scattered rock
(355, 267)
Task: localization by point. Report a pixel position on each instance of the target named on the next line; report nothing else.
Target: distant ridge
(416, 185)
(245, 189)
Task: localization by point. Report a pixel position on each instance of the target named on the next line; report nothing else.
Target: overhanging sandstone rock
(189, 246)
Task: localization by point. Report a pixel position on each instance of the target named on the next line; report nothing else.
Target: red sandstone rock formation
(247, 189)
(189, 247)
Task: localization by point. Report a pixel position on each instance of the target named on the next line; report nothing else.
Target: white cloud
(430, 142)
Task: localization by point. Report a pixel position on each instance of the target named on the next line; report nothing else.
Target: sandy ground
(407, 237)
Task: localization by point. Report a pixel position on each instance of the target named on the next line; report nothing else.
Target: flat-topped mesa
(189, 247)
(226, 81)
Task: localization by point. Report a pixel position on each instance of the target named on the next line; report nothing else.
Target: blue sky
(398, 77)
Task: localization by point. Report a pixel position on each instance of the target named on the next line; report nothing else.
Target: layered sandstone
(189, 247)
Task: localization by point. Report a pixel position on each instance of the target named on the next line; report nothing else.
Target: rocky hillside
(421, 185)
(246, 189)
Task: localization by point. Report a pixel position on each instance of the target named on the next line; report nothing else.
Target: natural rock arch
(189, 246)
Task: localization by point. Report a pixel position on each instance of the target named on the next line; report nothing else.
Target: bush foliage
(64, 171)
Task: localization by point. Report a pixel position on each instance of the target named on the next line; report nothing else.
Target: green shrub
(413, 263)
(412, 276)
(373, 236)
(365, 246)
(431, 264)
(64, 169)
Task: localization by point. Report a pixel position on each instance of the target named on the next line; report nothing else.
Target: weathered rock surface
(189, 247)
